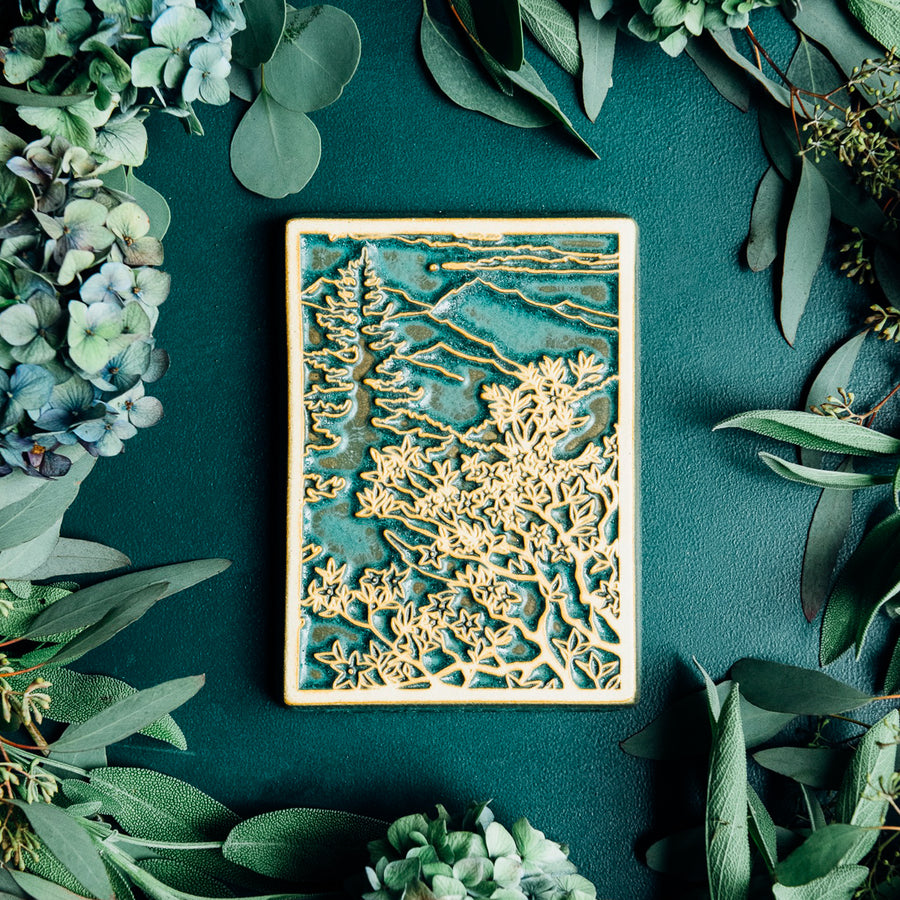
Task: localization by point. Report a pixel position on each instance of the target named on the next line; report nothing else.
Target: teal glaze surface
(721, 536)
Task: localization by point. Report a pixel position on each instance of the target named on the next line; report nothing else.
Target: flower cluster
(79, 292)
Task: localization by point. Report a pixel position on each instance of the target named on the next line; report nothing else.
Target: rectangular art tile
(461, 490)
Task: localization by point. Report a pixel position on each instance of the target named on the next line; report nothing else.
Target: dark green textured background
(721, 537)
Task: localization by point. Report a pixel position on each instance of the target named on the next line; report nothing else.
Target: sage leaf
(762, 829)
(813, 808)
(156, 807)
(292, 843)
(864, 585)
(70, 843)
(128, 716)
(725, 41)
(762, 241)
(881, 18)
(817, 767)
(682, 731)
(821, 852)
(22, 560)
(792, 689)
(814, 432)
(707, 56)
(892, 676)
(804, 245)
(600, 7)
(257, 42)
(315, 60)
(828, 529)
(74, 557)
(598, 48)
(727, 840)
(839, 884)
(94, 602)
(681, 855)
(554, 29)
(499, 27)
(274, 151)
(824, 478)
(466, 83)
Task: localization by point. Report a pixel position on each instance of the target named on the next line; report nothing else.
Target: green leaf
(792, 689)
(22, 560)
(814, 432)
(315, 60)
(762, 829)
(157, 807)
(813, 808)
(727, 841)
(74, 557)
(824, 478)
(892, 676)
(554, 28)
(810, 70)
(128, 716)
(76, 697)
(762, 241)
(682, 729)
(598, 48)
(707, 56)
(680, 855)
(42, 508)
(274, 151)
(93, 603)
(881, 18)
(40, 888)
(864, 585)
(499, 27)
(821, 852)
(804, 245)
(887, 271)
(15, 196)
(828, 24)
(777, 92)
(20, 97)
(124, 142)
(70, 843)
(839, 884)
(816, 767)
(256, 44)
(466, 83)
(292, 843)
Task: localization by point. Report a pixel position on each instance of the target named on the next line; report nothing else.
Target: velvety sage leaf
(824, 478)
(151, 202)
(70, 843)
(74, 557)
(762, 829)
(828, 529)
(813, 808)
(887, 271)
(762, 241)
(864, 585)
(804, 245)
(292, 843)
(41, 888)
(19, 97)
(792, 689)
(732, 84)
(75, 697)
(881, 18)
(816, 767)
(821, 852)
(274, 151)
(713, 700)
(554, 29)
(598, 48)
(681, 855)
(814, 432)
(777, 92)
(22, 560)
(466, 83)
(892, 676)
(727, 840)
(157, 807)
(94, 602)
(839, 884)
(499, 27)
(681, 731)
(315, 60)
(862, 799)
(184, 875)
(128, 716)
(256, 43)
(40, 509)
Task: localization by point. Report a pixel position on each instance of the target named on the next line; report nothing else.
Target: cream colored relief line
(520, 270)
(587, 262)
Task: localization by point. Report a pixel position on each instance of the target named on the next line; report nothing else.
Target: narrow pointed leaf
(762, 829)
(817, 767)
(762, 241)
(598, 49)
(726, 44)
(20, 562)
(74, 557)
(19, 97)
(813, 808)
(256, 43)
(892, 676)
(727, 79)
(823, 478)
(785, 688)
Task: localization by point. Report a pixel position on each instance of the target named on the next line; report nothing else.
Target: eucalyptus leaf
(804, 245)
(499, 27)
(274, 151)
(887, 271)
(824, 478)
(292, 843)
(151, 202)
(821, 852)
(598, 47)
(75, 557)
(244, 83)
(810, 70)
(20, 97)
(792, 689)
(817, 767)
(128, 716)
(813, 808)
(682, 855)
(707, 55)
(828, 24)
(762, 829)
(554, 28)
(762, 241)
(22, 560)
(256, 43)
(725, 41)
(814, 432)
(862, 588)
(839, 884)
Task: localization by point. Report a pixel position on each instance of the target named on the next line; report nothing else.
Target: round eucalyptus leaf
(275, 150)
(317, 56)
(257, 42)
